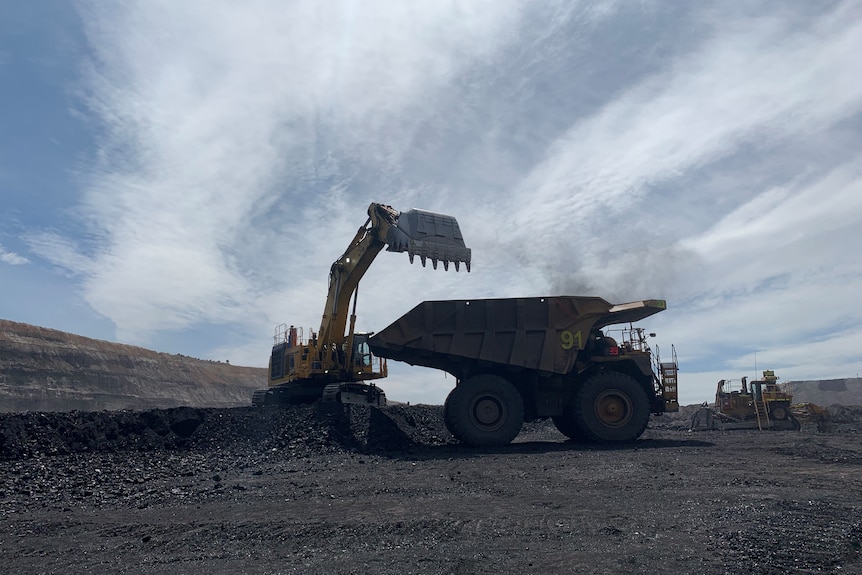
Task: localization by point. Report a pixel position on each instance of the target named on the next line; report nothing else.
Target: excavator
(759, 404)
(335, 363)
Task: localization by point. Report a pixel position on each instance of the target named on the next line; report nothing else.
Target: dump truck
(523, 359)
(334, 363)
(759, 404)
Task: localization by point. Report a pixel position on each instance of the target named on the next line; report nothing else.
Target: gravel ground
(343, 489)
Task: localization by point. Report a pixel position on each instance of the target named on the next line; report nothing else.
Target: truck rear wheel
(611, 407)
(484, 410)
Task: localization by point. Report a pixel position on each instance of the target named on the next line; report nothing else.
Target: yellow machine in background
(759, 404)
(808, 412)
(335, 362)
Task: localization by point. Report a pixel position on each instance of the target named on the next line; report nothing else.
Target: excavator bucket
(429, 235)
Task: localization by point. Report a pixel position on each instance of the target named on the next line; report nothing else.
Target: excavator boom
(334, 362)
(418, 232)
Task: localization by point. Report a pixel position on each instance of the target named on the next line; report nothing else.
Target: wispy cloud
(702, 154)
(222, 162)
(611, 179)
(12, 258)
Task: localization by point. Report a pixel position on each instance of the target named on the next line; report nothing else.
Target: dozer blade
(431, 236)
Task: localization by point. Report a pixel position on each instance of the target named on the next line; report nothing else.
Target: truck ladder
(668, 373)
(762, 413)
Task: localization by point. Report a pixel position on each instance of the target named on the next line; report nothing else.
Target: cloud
(221, 162)
(60, 251)
(12, 258)
(607, 188)
(704, 155)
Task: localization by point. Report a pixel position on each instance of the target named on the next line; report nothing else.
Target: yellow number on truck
(568, 340)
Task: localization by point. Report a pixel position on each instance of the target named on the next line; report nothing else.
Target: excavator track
(258, 398)
(354, 392)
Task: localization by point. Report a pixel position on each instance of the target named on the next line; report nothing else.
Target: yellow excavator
(333, 364)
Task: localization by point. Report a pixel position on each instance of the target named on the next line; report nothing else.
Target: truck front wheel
(612, 407)
(484, 410)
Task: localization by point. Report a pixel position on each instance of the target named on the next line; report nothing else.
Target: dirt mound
(845, 413)
(847, 391)
(842, 419)
(299, 430)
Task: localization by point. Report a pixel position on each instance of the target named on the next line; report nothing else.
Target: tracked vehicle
(759, 404)
(335, 363)
(522, 359)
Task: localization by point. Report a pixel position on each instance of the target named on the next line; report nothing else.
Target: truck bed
(536, 333)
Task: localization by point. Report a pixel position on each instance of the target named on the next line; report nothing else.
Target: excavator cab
(361, 352)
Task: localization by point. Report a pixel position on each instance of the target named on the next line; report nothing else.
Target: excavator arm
(346, 271)
(427, 234)
(324, 366)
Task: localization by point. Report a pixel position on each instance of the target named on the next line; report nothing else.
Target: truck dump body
(544, 334)
(522, 359)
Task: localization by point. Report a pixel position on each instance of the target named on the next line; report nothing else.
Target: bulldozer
(759, 404)
(335, 363)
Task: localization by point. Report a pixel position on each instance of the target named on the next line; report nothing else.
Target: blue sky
(180, 175)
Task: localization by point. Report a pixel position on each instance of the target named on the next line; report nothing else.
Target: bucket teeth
(430, 236)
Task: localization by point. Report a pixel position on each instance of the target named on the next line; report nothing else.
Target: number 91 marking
(568, 340)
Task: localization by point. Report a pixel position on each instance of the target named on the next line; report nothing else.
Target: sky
(181, 175)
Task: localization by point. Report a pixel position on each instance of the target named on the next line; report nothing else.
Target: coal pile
(845, 418)
(297, 430)
(329, 488)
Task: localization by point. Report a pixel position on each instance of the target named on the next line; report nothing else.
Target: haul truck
(522, 359)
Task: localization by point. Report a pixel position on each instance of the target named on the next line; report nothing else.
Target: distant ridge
(847, 391)
(43, 369)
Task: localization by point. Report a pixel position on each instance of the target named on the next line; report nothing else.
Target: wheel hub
(613, 408)
(488, 411)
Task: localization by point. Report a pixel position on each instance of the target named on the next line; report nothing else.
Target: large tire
(612, 407)
(567, 424)
(484, 411)
(779, 413)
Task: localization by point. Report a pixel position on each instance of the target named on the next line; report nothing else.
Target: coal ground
(346, 489)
